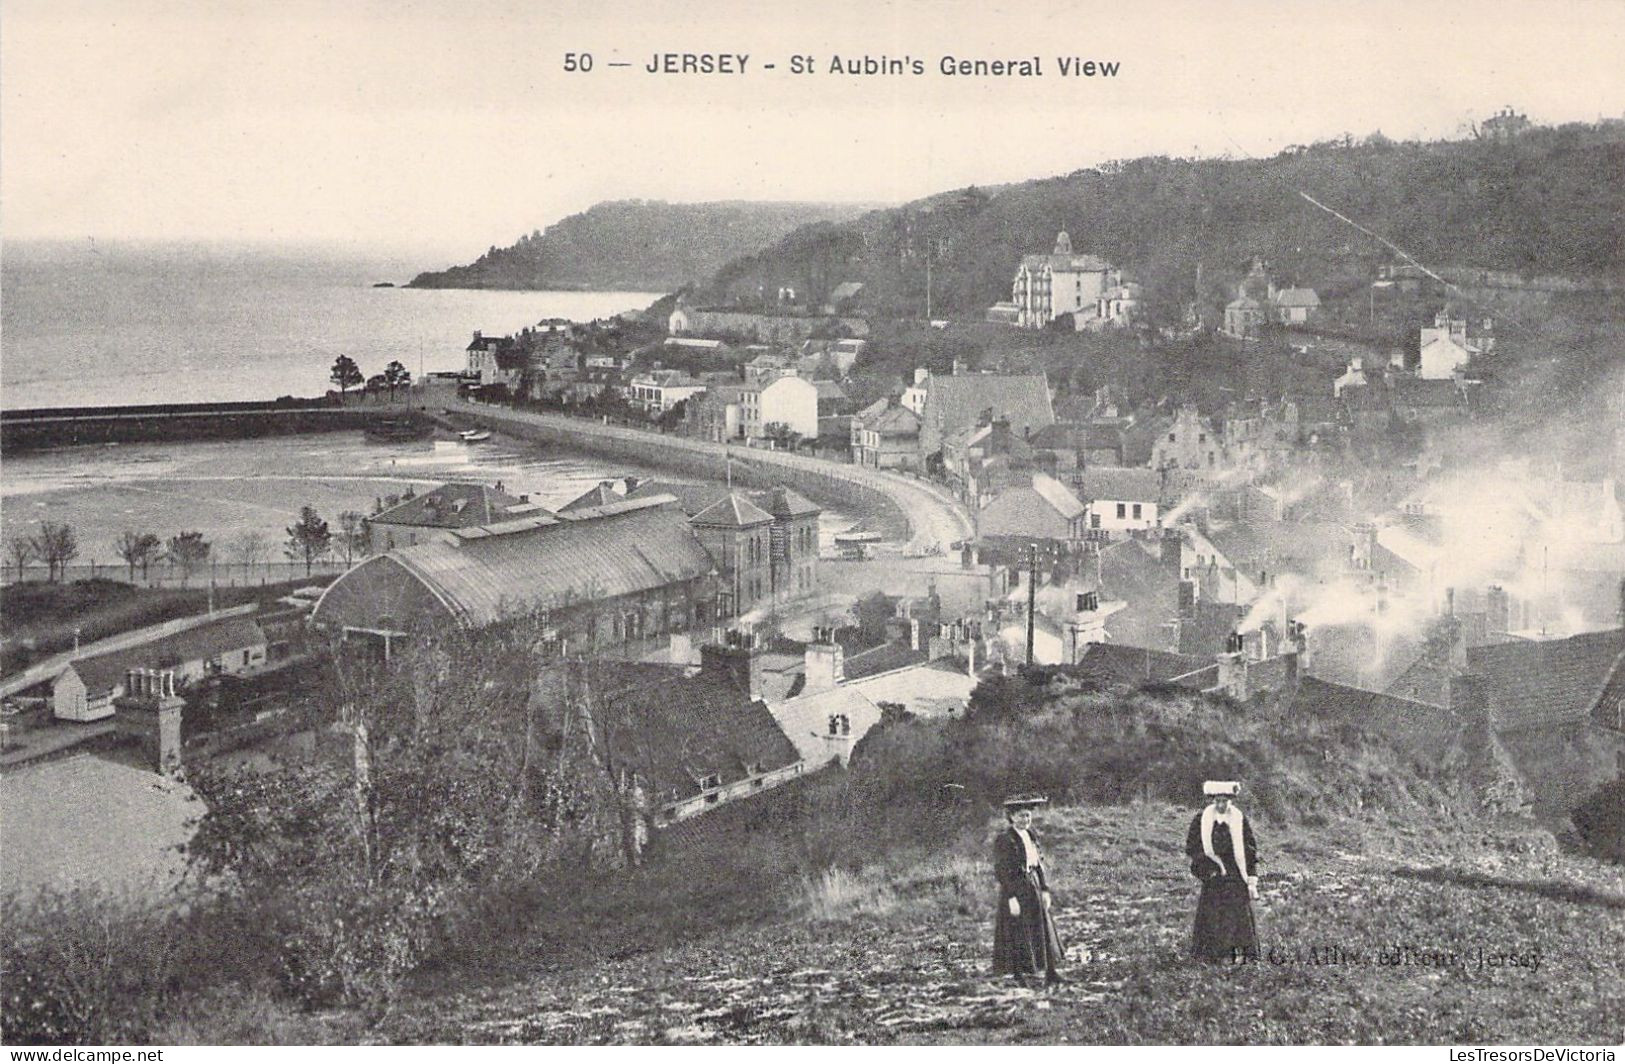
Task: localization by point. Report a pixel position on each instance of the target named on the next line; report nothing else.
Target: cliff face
(635, 245)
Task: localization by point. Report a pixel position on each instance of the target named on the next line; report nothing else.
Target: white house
(1047, 286)
(788, 401)
(1121, 500)
(660, 390)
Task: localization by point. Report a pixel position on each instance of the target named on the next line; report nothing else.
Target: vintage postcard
(869, 523)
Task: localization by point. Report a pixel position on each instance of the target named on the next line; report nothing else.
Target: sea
(94, 323)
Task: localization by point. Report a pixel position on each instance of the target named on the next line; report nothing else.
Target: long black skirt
(1224, 922)
(1028, 944)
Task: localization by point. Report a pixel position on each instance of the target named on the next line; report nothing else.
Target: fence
(218, 573)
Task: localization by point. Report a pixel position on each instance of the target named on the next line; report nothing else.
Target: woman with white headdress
(1225, 858)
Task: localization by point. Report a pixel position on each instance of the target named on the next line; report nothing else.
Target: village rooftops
(1058, 496)
(455, 506)
(1116, 663)
(478, 577)
(104, 672)
(954, 403)
(732, 511)
(684, 734)
(696, 499)
(1297, 297)
(1531, 685)
(1120, 485)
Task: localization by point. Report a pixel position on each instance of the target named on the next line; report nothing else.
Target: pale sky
(446, 127)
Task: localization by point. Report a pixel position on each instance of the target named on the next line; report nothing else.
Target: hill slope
(634, 245)
(905, 959)
(1546, 202)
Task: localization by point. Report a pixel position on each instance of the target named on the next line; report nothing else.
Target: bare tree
(189, 550)
(137, 548)
(56, 545)
(352, 535)
(250, 549)
(21, 549)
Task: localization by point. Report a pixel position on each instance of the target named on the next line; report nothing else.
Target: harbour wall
(32, 430)
(847, 486)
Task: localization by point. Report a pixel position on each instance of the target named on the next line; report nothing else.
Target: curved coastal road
(935, 517)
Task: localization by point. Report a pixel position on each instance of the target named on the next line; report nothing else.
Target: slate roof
(229, 635)
(1058, 496)
(482, 579)
(452, 506)
(732, 511)
(598, 495)
(782, 502)
(1547, 683)
(677, 729)
(883, 658)
(893, 421)
(1116, 663)
(1132, 485)
(805, 721)
(695, 499)
(1426, 730)
(954, 403)
(1297, 297)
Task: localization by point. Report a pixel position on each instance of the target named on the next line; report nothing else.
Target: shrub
(1600, 820)
(83, 966)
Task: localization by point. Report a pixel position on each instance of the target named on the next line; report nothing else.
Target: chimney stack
(738, 662)
(1233, 673)
(1497, 612)
(150, 712)
(1171, 552)
(825, 663)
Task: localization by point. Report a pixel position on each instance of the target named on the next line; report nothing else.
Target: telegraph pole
(1032, 595)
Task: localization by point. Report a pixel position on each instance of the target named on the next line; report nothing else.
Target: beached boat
(399, 429)
(475, 435)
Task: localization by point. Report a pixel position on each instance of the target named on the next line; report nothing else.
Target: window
(245, 657)
(1122, 511)
(1094, 520)
(1172, 438)
(1136, 511)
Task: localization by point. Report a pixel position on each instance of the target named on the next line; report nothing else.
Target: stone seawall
(847, 486)
(36, 430)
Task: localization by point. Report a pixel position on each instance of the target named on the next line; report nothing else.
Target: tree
(309, 538)
(783, 436)
(396, 376)
(138, 548)
(56, 545)
(346, 374)
(352, 534)
(21, 549)
(250, 549)
(188, 550)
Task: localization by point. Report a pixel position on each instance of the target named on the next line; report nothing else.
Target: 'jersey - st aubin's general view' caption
(739, 63)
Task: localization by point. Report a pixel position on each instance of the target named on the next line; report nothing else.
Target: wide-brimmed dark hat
(1024, 801)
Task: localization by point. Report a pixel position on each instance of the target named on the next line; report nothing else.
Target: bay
(106, 324)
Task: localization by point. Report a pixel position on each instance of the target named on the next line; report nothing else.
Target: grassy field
(1366, 940)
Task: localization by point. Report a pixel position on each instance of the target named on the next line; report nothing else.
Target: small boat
(399, 429)
(475, 435)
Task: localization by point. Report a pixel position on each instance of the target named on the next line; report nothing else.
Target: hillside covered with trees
(1545, 201)
(635, 245)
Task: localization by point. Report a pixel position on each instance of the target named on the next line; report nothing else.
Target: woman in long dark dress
(1026, 944)
(1224, 857)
